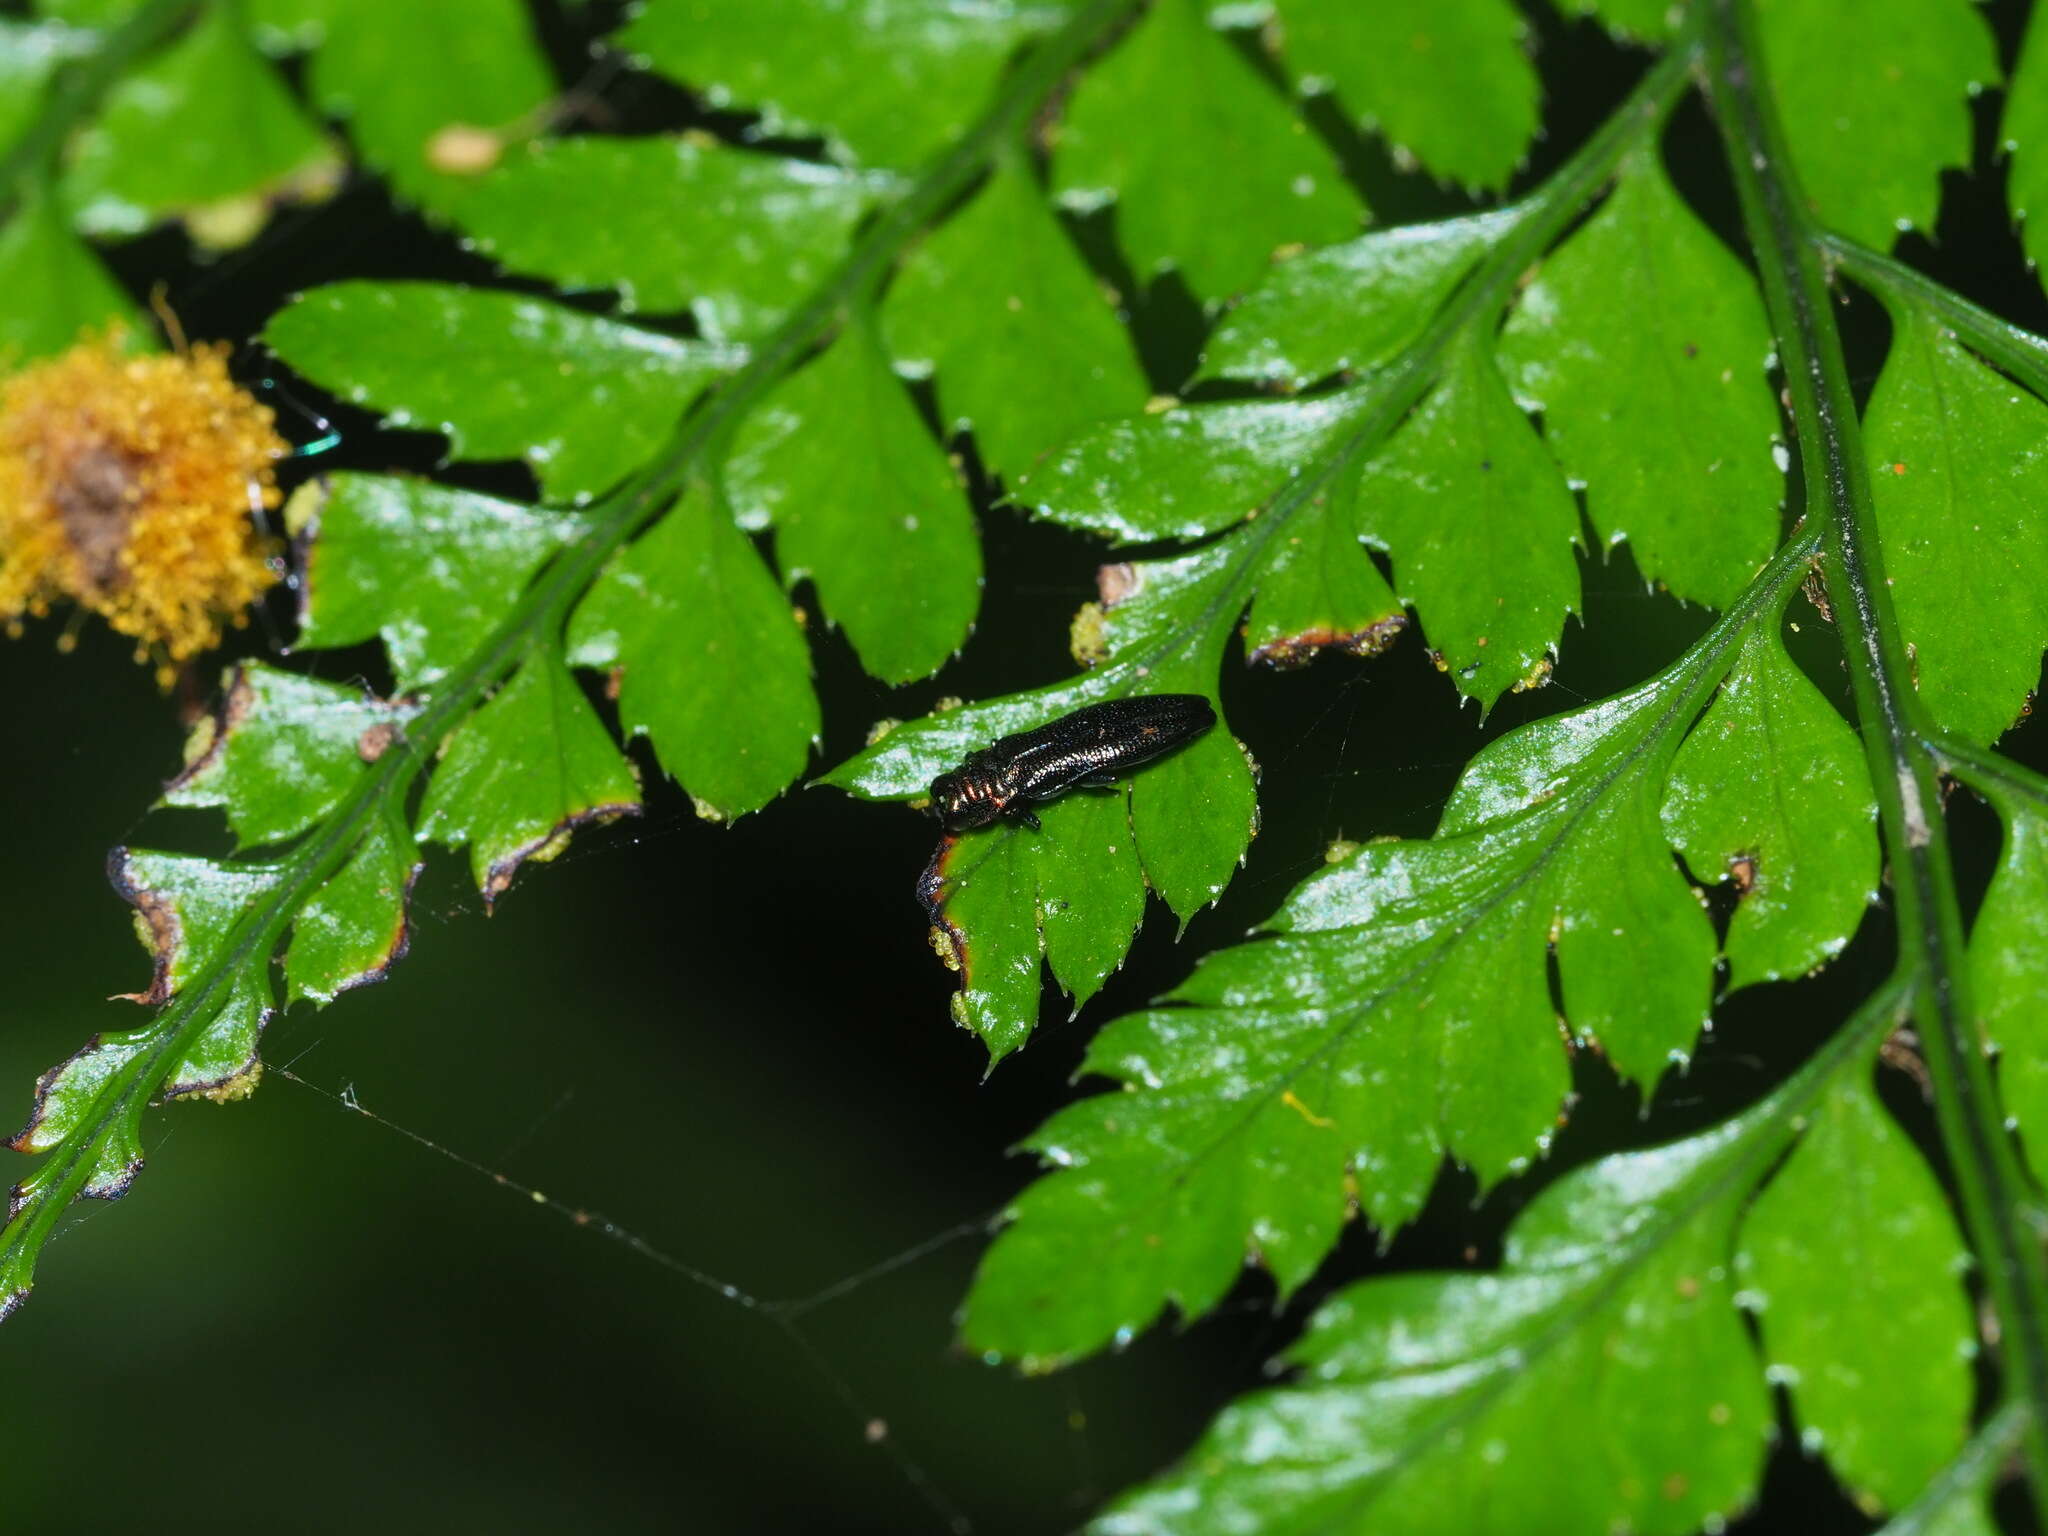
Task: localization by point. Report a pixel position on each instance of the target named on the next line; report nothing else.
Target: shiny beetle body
(1089, 749)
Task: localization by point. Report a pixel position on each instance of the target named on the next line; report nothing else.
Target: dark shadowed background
(734, 1043)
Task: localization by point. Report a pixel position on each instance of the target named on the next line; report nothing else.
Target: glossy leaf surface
(712, 666)
(1026, 347)
(1959, 465)
(1412, 974)
(1428, 1403)
(1351, 306)
(582, 400)
(427, 568)
(866, 505)
(1855, 1228)
(1803, 857)
(1881, 106)
(885, 81)
(1446, 81)
(205, 121)
(529, 768)
(673, 224)
(1643, 342)
(282, 749)
(1150, 124)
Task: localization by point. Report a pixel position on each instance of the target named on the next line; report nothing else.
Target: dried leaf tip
(126, 486)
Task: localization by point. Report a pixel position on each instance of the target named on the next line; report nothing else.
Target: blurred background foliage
(732, 1041)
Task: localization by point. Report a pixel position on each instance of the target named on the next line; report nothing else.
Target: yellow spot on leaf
(1305, 1112)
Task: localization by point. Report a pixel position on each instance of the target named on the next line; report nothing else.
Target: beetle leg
(1028, 817)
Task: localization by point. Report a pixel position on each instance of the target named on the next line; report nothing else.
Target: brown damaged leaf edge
(156, 916)
(232, 708)
(541, 849)
(22, 1141)
(397, 946)
(230, 1086)
(934, 887)
(1286, 652)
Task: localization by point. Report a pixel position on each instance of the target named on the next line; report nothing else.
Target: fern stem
(2020, 353)
(79, 90)
(1990, 1182)
(534, 620)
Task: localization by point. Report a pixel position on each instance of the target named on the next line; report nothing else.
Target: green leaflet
(868, 507)
(596, 212)
(204, 122)
(1854, 1228)
(1410, 978)
(1150, 124)
(1188, 470)
(426, 568)
(1643, 342)
(1000, 895)
(1445, 81)
(402, 75)
(522, 773)
(886, 82)
(1645, 21)
(2009, 956)
(355, 929)
(1027, 348)
(583, 400)
(29, 54)
(1493, 584)
(2023, 128)
(52, 287)
(1804, 858)
(1428, 1404)
(713, 667)
(281, 750)
(1880, 108)
(1956, 1503)
(1349, 307)
(1074, 891)
(1959, 465)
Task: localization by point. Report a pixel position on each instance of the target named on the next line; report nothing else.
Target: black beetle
(1085, 750)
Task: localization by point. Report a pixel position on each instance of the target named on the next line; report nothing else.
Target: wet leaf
(1854, 1230)
(1429, 1404)
(866, 505)
(1492, 586)
(53, 288)
(1396, 1010)
(281, 750)
(1349, 307)
(30, 53)
(524, 772)
(1149, 125)
(2009, 959)
(205, 121)
(885, 81)
(583, 400)
(1959, 464)
(1881, 106)
(1190, 470)
(355, 929)
(2024, 131)
(1643, 342)
(428, 569)
(1446, 81)
(598, 212)
(1027, 349)
(1073, 890)
(403, 77)
(1770, 791)
(713, 668)
(1644, 21)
